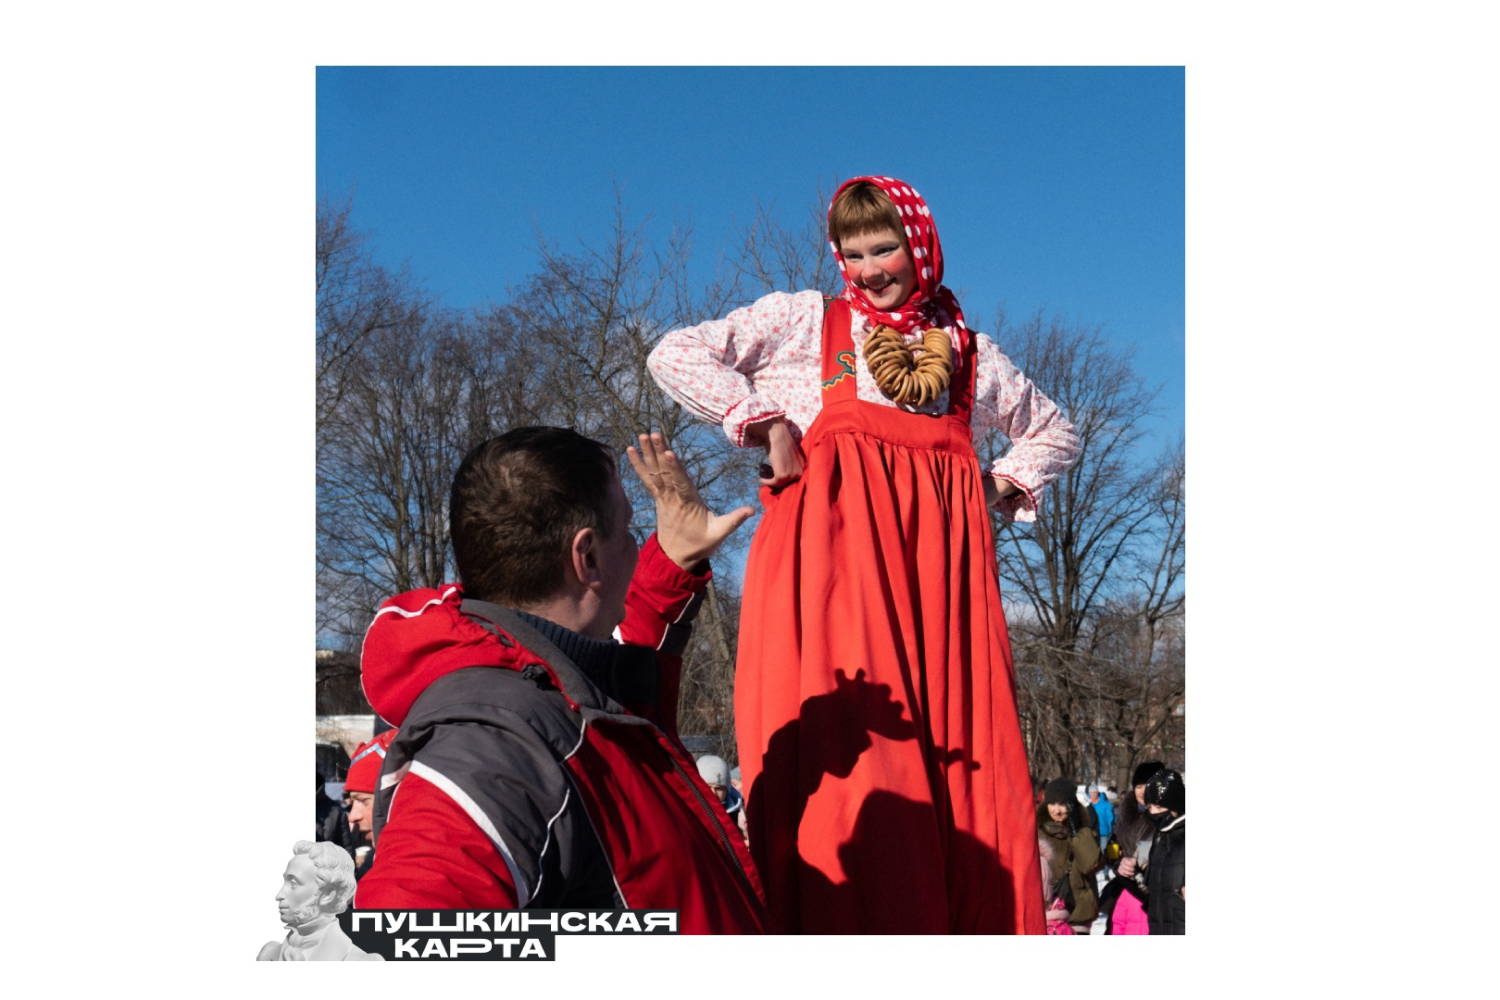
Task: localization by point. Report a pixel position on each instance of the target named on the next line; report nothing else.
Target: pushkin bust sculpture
(315, 888)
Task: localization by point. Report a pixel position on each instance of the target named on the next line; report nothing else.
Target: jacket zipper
(713, 821)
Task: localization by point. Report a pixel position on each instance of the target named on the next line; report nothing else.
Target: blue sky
(1053, 188)
(1034, 222)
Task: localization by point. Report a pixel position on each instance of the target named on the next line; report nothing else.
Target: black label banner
(489, 935)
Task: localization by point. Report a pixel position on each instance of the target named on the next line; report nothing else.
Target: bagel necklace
(903, 376)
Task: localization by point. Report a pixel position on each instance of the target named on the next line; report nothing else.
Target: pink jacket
(1129, 916)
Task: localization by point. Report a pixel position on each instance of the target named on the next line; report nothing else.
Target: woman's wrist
(759, 433)
(1004, 487)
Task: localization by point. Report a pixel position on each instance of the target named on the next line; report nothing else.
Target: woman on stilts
(888, 789)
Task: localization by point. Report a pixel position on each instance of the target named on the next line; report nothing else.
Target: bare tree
(774, 256)
(355, 298)
(405, 389)
(1136, 682)
(339, 691)
(407, 415)
(586, 325)
(1088, 573)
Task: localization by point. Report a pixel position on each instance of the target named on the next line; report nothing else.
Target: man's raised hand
(687, 531)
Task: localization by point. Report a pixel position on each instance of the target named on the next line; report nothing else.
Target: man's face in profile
(298, 899)
(362, 811)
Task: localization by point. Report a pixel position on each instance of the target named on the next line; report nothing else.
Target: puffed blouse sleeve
(720, 371)
(1044, 444)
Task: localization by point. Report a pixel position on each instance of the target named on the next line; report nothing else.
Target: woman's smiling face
(879, 264)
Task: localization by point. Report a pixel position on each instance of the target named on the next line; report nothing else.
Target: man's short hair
(335, 870)
(863, 208)
(517, 501)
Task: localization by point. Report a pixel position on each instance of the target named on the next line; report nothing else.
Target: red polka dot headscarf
(931, 297)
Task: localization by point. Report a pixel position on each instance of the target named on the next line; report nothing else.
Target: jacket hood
(422, 635)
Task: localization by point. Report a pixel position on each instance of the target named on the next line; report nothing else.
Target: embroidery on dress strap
(846, 362)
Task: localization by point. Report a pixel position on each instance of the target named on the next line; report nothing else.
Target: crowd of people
(1115, 867)
(534, 702)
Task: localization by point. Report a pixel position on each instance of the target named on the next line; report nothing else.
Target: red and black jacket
(516, 781)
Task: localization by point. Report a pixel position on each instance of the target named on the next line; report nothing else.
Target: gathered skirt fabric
(888, 789)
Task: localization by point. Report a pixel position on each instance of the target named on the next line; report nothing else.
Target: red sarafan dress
(875, 697)
(886, 783)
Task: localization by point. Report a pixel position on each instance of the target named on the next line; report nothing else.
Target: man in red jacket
(537, 762)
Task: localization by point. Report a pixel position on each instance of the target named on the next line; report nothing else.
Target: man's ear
(583, 557)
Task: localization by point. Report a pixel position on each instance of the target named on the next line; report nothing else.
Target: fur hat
(1060, 790)
(1145, 771)
(1165, 789)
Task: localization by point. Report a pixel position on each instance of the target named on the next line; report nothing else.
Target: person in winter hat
(360, 785)
(1105, 811)
(714, 770)
(364, 778)
(1166, 871)
(1075, 851)
(1123, 899)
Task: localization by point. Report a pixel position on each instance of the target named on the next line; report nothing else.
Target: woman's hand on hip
(783, 457)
